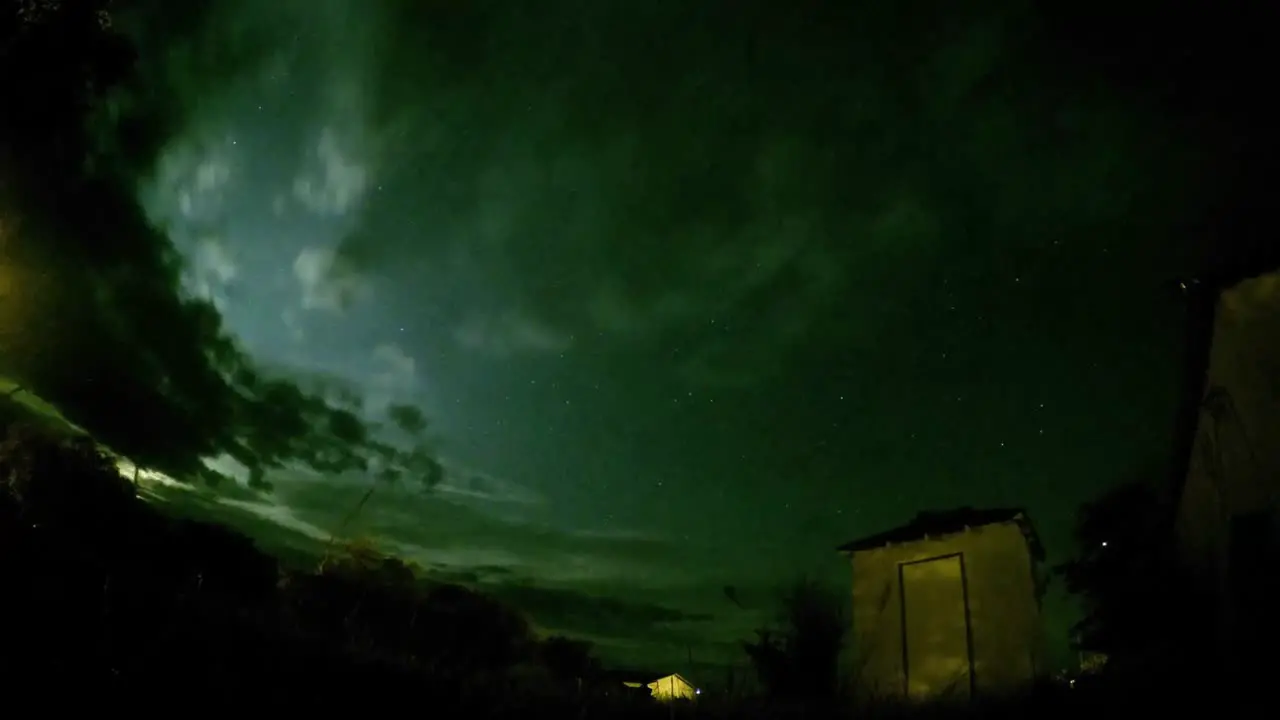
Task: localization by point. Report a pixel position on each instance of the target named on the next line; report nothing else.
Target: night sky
(693, 292)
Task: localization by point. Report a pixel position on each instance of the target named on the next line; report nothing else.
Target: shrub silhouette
(379, 604)
(799, 660)
(60, 481)
(568, 660)
(1138, 597)
(104, 591)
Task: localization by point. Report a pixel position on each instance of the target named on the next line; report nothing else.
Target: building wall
(1234, 468)
(1004, 617)
(1235, 460)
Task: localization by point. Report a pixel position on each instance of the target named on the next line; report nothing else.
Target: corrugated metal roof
(937, 523)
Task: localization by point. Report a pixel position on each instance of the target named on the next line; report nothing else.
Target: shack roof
(937, 523)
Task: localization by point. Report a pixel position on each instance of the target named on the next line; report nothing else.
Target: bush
(102, 590)
(61, 481)
(800, 659)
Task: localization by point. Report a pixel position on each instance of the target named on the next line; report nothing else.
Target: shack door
(935, 632)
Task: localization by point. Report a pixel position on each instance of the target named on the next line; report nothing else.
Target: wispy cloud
(510, 333)
(463, 484)
(396, 370)
(435, 531)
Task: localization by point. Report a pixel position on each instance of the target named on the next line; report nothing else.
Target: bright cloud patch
(325, 281)
(336, 182)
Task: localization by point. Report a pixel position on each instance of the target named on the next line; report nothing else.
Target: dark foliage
(1141, 609)
(105, 593)
(570, 662)
(799, 660)
(85, 274)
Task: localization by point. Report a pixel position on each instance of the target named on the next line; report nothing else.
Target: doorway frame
(968, 620)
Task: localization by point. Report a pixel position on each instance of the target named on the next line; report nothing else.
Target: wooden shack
(947, 608)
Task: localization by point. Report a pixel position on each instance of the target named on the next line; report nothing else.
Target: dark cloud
(621, 619)
(96, 320)
(599, 616)
(467, 525)
(636, 594)
(707, 200)
(470, 576)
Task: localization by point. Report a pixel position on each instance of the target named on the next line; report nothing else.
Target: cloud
(212, 270)
(593, 218)
(289, 317)
(326, 282)
(472, 523)
(468, 520)
(509, 334)
(211, 175)
(337, 183)
(645, 207)
(566, 610)
(197, 174)
(599, 587)
(397, 371)
(167, 386)
(99, 201)
(731, 223)
(465, 484)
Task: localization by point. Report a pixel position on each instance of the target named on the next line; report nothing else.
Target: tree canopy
(1126, 574)
(93, 318)
(799, 658)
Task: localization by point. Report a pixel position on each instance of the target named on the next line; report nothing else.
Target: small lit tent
(672, 686)
(947, 608)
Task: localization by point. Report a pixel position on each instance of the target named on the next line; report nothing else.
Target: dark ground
(109, 601)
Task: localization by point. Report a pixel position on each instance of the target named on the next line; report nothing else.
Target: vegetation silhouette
(798, 659)
(102, 589)
(106, 593)
(1146, 617)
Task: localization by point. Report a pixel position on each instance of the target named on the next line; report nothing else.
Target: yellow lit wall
(1003, 642)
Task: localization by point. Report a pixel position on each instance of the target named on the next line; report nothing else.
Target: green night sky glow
(693, 292)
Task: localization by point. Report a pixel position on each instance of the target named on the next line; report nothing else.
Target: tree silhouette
(1125, 571)
(800, 658)
(377, 603)
(62, 482)
(412, 460)
(570, 662)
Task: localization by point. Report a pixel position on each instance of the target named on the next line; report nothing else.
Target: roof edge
(914, 531)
